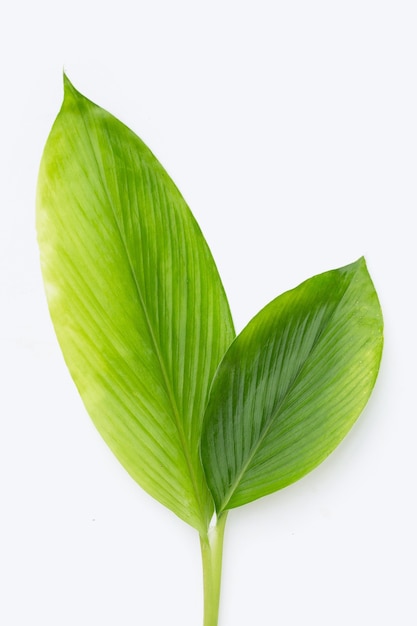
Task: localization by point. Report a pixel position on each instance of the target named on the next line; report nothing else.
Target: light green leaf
(291, 385)
(135, 297)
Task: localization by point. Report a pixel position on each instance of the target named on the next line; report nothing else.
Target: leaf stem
(212, 552)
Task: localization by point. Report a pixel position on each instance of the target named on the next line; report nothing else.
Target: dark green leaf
(291, 385)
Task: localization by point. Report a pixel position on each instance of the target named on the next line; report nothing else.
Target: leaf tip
(69, 88)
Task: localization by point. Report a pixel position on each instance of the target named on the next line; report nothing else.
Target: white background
(290, 127)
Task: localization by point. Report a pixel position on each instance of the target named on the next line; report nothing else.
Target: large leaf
(291, 385)
(135, 298)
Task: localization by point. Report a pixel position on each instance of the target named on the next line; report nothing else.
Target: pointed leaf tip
(71, 92)
(68, 86)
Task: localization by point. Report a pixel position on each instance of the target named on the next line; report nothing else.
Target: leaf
(291, 386)
(135, 297)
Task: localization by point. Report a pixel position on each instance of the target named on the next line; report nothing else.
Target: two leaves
(201, 420)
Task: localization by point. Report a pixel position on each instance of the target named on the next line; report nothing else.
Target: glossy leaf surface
(291, 385)
(135, 298)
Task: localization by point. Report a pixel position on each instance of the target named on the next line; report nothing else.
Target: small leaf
(291, 385)
(135, 297)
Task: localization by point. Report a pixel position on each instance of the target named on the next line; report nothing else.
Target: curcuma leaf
(291, 385)
(135, 297)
